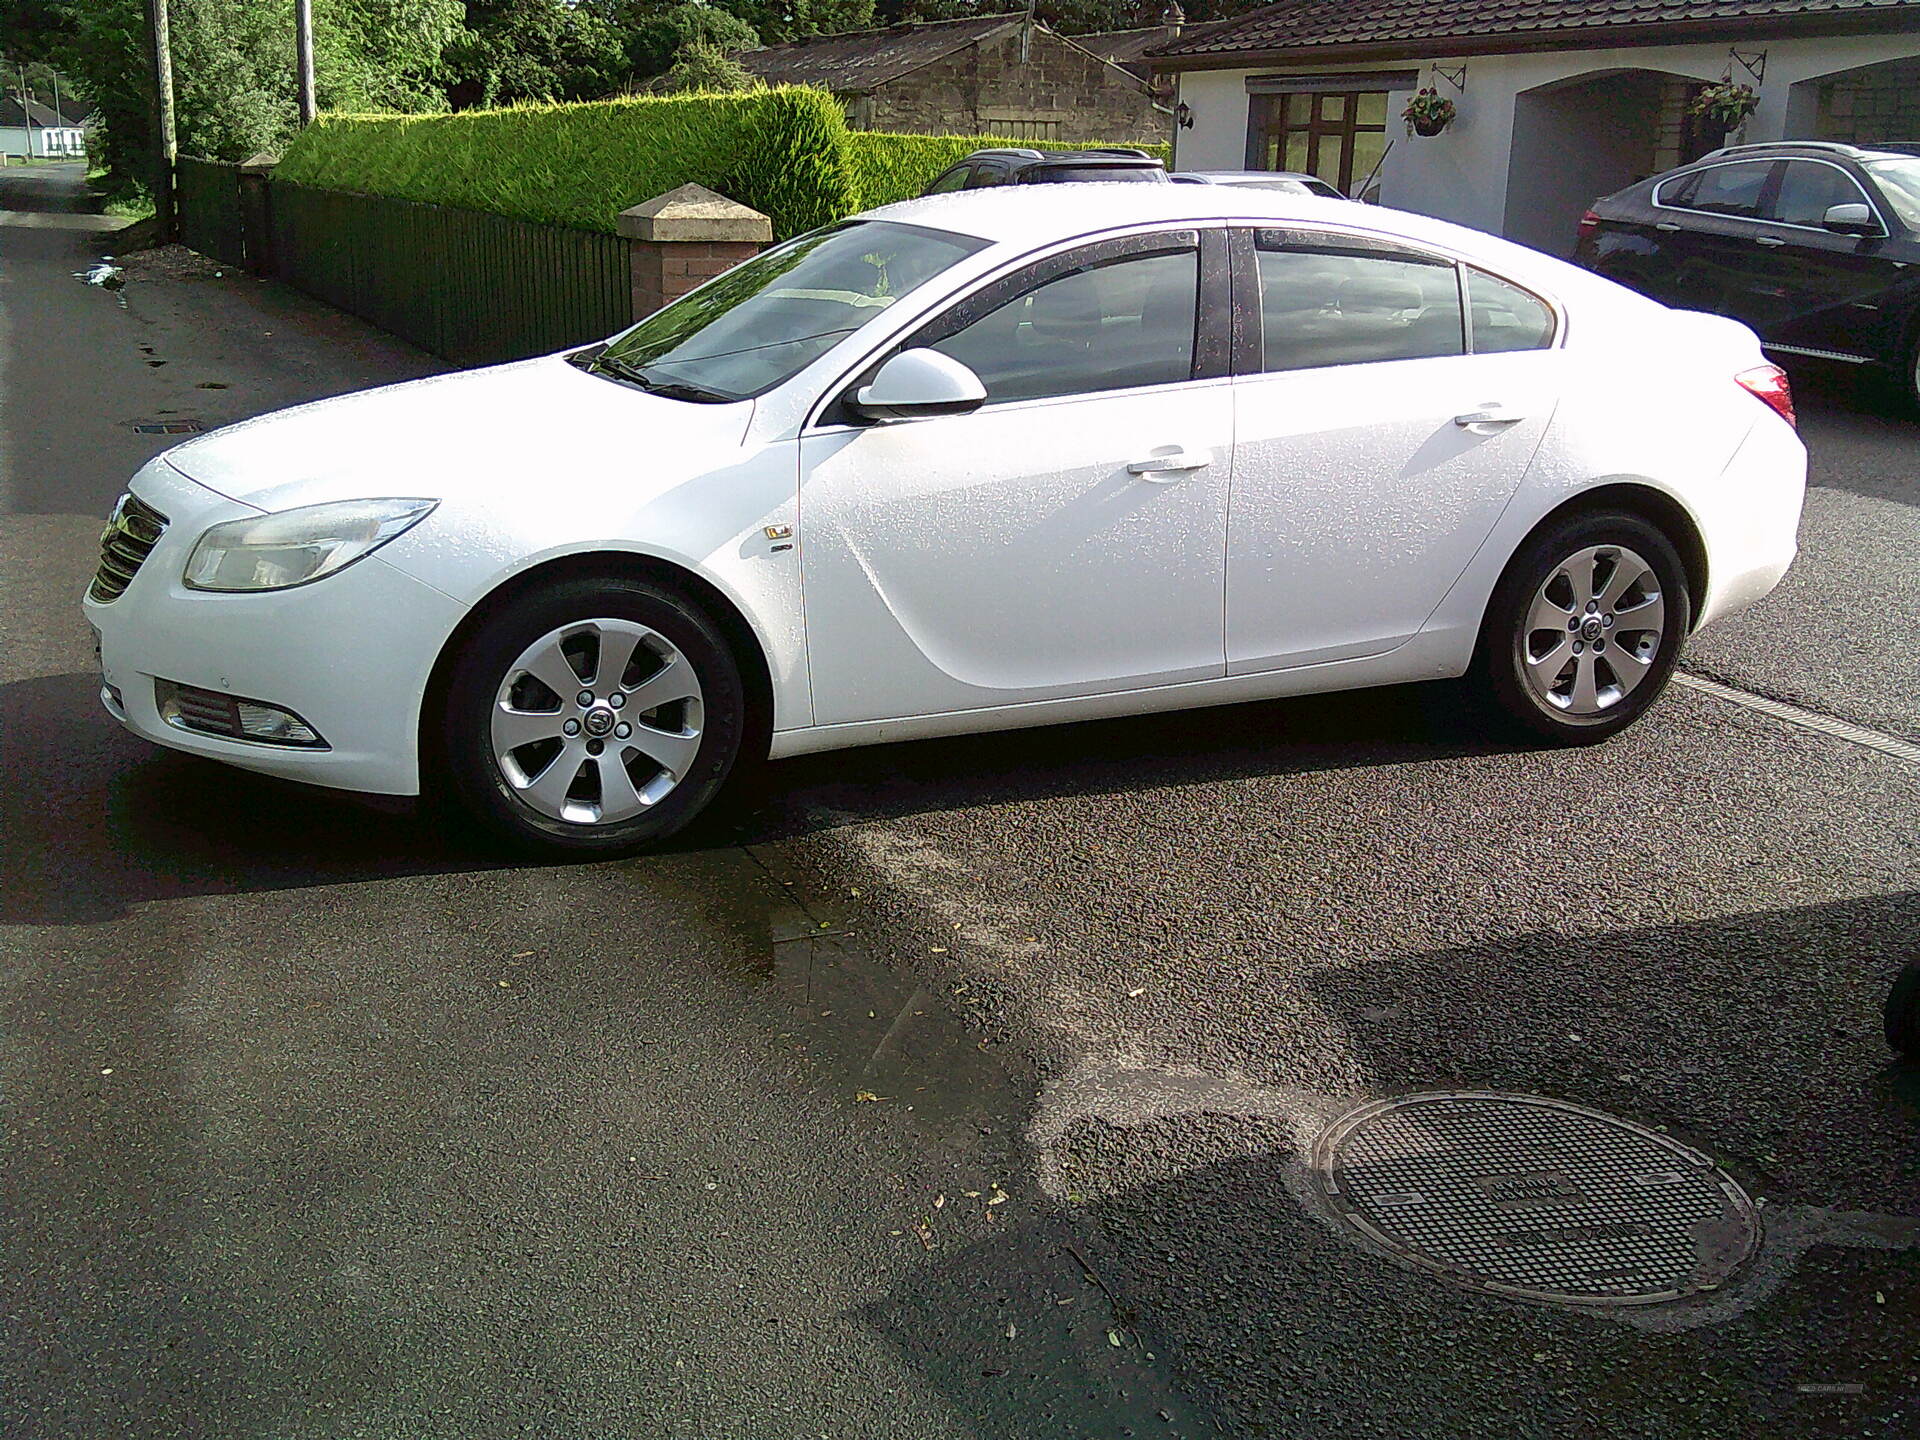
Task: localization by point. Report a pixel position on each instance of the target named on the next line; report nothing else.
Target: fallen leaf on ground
(867, 1097)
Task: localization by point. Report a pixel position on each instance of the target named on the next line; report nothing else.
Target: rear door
(1715, 214)
(1387, 404)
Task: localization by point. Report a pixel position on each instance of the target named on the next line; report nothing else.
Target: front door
(1065, 539)
(1381, 429)
(1818, 290)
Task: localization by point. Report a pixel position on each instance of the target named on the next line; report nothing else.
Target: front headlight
(296, 547)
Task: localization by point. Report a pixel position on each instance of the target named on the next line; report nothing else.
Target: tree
(517, 50)
(233, 67)
(654, 42)
(706, 68)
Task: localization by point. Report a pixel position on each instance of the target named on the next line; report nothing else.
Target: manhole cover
(1536, 1198)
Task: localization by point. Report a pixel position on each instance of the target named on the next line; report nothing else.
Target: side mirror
(1852, 220)
(918, 385)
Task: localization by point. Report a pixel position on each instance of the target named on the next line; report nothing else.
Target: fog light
(208, 712)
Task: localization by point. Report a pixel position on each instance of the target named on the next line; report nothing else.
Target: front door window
(1339, 136)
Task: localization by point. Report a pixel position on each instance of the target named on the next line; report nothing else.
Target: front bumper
(351, 654)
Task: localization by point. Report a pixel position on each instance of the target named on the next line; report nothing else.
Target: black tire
(1500, 659)
(473, 774)
(1903, 1012)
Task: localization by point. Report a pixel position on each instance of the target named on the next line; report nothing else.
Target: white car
(977, 461)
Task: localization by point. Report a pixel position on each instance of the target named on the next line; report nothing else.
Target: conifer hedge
(787, 153)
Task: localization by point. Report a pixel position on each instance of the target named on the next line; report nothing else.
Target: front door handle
(1164, 468)
(1488, 415)
(1772, 242)
(1666, 225)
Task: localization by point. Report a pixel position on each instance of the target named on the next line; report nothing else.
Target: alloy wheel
(1593, 631)
(597, 721)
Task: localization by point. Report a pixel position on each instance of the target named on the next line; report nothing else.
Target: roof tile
(1305, 24)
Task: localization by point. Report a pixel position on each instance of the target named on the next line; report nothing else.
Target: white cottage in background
(30, 128)
(1557, 101)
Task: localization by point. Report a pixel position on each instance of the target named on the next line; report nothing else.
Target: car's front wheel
(1586, 627)
(592, 718)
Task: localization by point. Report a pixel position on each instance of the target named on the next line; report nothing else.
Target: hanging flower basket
(1726, 105)
(1428, 113)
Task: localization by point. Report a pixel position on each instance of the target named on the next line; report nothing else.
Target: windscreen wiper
(653, 385)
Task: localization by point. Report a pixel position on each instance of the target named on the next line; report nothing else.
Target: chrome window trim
(1879, 215)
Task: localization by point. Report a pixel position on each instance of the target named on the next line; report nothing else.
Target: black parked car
(1046, 167)
(1815, 245)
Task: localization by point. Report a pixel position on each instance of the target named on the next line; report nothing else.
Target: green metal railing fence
(206, 194)
(471, 287)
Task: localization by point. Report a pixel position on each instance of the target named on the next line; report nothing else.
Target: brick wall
(1880, 102)
(1059, 93)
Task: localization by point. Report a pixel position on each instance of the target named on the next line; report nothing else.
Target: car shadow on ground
(1400, 725)
(96, 821)
(1190, 1212)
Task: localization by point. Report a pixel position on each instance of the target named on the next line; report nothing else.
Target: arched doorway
(1860, 106)
(1577, 139)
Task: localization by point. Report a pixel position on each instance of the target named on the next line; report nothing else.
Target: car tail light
(1589, 223)
(1769, 383)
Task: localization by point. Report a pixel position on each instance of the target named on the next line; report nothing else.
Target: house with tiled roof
(1555, 102)
(29, 128)
(987, 75)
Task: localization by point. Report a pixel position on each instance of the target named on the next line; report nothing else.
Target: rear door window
(1332, 307)
(1734, 190)
(986, 173)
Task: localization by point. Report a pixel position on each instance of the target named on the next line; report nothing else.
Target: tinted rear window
(1721, 190)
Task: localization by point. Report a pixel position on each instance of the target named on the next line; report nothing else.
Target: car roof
(1110, 155)
(1031, 215)
(1774, 149)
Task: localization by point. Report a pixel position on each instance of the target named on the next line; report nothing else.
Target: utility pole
(166, 142)
(26, 113)
(303, 56)
(59, 118)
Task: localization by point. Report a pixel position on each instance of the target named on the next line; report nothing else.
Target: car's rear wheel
(592, 718)
(1586, 627)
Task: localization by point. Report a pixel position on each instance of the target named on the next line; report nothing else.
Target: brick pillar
(682, 239)
(256, 218)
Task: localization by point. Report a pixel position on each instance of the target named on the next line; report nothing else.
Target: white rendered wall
(1465, 174)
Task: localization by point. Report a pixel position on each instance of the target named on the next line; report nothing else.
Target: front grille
(133, 529)
(204, 710)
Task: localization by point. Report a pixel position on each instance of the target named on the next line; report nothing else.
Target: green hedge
(780, 151)
(897, 167)
(787, 153)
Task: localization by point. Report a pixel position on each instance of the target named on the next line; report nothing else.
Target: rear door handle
(1667, 225)
(1162, 469)
(1489, 415)
(1772, 242)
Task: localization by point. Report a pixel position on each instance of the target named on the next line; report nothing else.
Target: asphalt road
(317, 1123)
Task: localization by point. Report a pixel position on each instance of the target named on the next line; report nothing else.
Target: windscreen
(1899, 181)
(764, 321)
